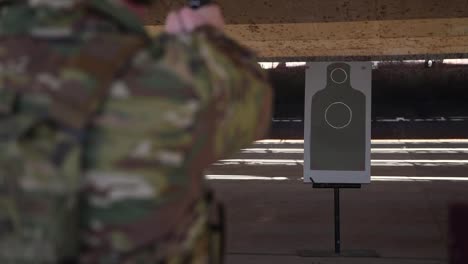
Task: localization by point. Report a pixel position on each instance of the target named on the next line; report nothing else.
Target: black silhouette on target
(338, 123)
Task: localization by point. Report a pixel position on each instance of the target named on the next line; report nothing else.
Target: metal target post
(337, 221)
(337, 225)
(336, 204)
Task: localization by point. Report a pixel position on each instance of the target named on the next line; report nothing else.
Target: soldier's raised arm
(200, 94)
(192, 98)
(234, 95)
(220, 97)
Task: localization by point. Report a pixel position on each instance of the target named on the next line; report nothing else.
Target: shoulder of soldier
(20, 16)
(183, 49)
(236, 53)
(183, 55)
(208, 38)
(181, 62)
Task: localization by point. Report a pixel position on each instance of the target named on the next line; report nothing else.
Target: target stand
(338, 252)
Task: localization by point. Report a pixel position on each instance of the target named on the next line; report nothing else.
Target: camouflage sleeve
(244, 99)
(233, 93)
(166, 120)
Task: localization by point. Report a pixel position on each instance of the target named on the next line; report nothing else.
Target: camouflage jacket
(126, 180)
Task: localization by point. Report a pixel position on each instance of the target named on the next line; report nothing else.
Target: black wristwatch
(198, 3)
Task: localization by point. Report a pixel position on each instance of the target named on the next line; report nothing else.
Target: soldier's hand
(187, 19)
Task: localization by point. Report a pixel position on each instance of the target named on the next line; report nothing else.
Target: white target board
(337, 122)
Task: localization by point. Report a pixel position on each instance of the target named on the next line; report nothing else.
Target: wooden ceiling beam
(336, 28)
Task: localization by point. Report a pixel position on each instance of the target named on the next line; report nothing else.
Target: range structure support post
(337, 221)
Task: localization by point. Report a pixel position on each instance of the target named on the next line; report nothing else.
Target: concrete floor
(272, 215)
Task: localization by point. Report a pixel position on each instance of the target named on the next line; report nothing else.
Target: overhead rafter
(315, 28)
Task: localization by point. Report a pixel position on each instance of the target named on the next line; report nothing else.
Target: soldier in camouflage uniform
(104, 132)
